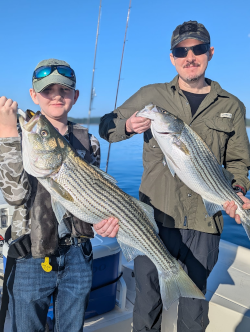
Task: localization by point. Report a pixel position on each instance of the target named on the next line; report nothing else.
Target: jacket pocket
(220, 124)
(218, 131)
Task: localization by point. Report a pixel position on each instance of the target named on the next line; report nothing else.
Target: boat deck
(228, 294)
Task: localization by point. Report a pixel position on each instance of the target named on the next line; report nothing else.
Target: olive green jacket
(175, 204)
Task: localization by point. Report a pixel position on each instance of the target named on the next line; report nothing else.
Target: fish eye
(44, 133)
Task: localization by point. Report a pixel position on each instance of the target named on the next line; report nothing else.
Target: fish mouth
(163, 132)
(29, 126)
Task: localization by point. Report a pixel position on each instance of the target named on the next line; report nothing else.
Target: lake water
(125, 165)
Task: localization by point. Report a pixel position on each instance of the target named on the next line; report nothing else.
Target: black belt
(65, 241)
(22, 246)
(68, 240)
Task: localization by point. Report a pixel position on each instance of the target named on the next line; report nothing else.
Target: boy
(64, 249)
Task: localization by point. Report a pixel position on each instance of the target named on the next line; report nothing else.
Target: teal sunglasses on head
(44, 71)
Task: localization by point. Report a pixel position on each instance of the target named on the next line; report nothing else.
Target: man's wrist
(127, 129)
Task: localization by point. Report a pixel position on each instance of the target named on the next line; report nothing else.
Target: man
(188, 232)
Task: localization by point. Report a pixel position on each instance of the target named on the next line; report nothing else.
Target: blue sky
(34, 30)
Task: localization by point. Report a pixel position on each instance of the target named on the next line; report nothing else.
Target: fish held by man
(92, 195)
(189, 157)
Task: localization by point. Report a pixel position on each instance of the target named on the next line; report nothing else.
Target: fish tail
(247, 228)
(245, 219)
(174, 287)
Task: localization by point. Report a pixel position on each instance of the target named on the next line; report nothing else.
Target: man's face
(192, 67)
(55, 101)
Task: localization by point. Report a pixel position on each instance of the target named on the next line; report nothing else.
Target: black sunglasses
(181, 52)
(44, 71)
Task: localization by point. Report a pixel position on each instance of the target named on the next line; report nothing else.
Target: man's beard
(192, 78)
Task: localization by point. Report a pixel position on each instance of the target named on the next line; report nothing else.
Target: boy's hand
(107, 227)
(8, 117)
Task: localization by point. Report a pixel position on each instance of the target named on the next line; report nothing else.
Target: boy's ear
(76, 96)
(33, 96)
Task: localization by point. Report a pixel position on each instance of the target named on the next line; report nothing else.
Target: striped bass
(92, 195)
(189, 157)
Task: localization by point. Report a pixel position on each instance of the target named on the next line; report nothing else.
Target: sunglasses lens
(42, 72)
(179, 52)
(200, 49)
(66, 71)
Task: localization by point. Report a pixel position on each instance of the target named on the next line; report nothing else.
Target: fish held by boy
(92, 195)
(189, 157)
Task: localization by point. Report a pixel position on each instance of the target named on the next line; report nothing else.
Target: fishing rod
(119, 78)
(92, 91)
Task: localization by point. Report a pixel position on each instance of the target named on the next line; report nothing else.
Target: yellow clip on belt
(46, 265)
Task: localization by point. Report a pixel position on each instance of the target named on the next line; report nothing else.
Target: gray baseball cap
(190, 30)
(39, 84)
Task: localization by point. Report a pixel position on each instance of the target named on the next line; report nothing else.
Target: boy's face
(55, 101)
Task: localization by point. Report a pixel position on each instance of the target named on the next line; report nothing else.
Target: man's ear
(211, 53)
(76, 96)
(33, 96)
(172, 59)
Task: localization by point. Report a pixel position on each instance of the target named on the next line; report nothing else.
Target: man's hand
(231, 207)
(8, 117)
(107, 227)
(137, 124)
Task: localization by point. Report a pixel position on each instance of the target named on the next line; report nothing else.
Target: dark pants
(197, 253)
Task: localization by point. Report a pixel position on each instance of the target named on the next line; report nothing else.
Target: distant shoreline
(93, 120)
(85, 124)
(96, 121)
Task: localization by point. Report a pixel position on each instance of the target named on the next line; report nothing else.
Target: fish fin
(174, 287)
(105, 175)
(228, 175)
(247, 229)
(60, 190)
(149, 212)
(172, 171)
(58, 209)
(211, 208)
(170, 162)
(129, 252)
